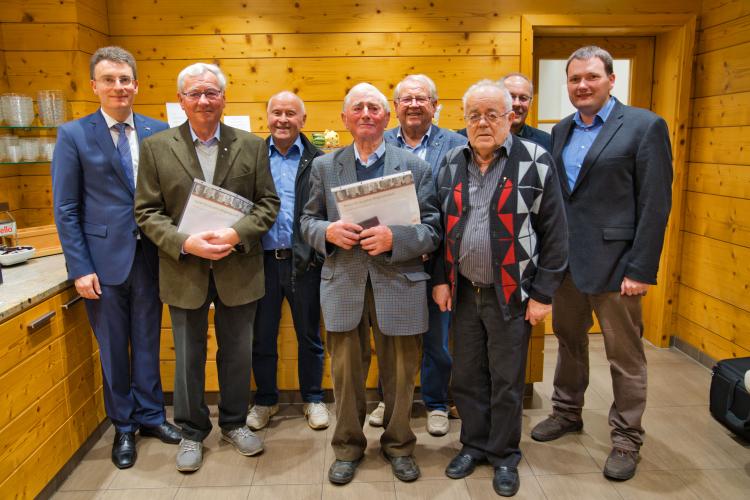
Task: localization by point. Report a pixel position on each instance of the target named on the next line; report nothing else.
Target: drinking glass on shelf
(51, 107)
(29, 149)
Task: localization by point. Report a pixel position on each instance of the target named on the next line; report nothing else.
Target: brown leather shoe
(554, 427)
(620, 464)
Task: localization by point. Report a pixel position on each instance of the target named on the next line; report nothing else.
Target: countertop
(25, 285)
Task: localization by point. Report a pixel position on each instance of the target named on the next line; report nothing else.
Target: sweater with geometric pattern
(528, 229)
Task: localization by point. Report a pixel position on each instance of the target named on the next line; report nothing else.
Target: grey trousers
(234, 336)
(398, 361)
(622, 329)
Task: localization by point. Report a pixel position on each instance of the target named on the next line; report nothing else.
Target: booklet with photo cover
(210, 207)
(388, 200)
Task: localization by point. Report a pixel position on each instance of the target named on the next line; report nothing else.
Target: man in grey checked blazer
(371, 278)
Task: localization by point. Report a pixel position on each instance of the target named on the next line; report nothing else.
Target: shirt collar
(272, 147)
(213, 140)
(111, 122)
(505, 147)
(602, 114)
(424, 140)
(377, 154)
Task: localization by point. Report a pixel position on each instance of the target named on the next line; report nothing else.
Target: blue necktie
(123, 149)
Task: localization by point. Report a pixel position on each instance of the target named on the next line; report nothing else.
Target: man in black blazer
(615, 165)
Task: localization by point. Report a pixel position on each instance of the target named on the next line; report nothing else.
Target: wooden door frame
(670, 98)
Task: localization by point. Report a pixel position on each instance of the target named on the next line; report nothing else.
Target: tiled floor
(686, 455)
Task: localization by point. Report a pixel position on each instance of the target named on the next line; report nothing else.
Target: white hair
(362, 88)
(489, 84)
(286, 93)
(198, 69)
(419, 78)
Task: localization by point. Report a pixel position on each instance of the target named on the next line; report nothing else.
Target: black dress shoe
(168, 433)
(123, 450)
(506, 481)
(342, 471)
(404, 468)
(461, 466)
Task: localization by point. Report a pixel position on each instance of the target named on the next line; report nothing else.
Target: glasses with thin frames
(406, 100)
(491, 117)
(111, 81)
(194, 95)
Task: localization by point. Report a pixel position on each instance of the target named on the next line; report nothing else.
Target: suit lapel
(609, 129)
(435, 147)
(141, 128)
(557, 151)
(392, 166)
(106, 144)
(183, 149)
(227, 153)
(347, 170)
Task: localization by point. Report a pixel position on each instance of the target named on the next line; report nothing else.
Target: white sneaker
(317, 415)
(377, 415)
(437, 422)
(189, 456)
(258, 416)
(244, 440)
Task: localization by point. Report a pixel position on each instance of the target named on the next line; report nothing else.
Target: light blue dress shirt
(581, 139)
(284, 172)
(421, 148)
(375, 156)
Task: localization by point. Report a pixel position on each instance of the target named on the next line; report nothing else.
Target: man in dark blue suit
(114, 266)
(415, 100)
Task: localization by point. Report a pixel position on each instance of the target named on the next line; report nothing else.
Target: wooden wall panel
(730, 110)
(719, 217)
(722, 71)
(724, 180)
(715, 12)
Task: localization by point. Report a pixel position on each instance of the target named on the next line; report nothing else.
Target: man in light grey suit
(371, 278)
(415, 101)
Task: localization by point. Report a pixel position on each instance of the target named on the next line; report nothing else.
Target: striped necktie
(123, 150)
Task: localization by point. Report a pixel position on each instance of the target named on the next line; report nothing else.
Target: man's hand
(343, 234)
(201, 245)
(536, 311)
(376, 240)
(88, 286)
(633, 287)
(225, 236)
(441, 294)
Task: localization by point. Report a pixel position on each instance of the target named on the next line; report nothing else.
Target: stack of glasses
(15, 149)
(18, 109)
(51, 107)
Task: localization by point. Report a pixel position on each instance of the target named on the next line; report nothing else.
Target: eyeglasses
(111, 81)
(406, 100)
(491, 117)
(195, 95)
(522, 98)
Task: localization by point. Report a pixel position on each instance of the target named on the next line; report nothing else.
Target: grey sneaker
(244, 440)
(437, 422)
(377, 415)
(259, 415)
(189, 456)
(554, 427)
(621, 464)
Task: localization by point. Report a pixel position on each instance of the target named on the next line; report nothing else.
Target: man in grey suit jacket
(415, 100)
(615, 166)
(371, 278)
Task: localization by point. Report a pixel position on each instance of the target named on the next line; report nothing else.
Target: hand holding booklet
(210, 207)
(388, 200)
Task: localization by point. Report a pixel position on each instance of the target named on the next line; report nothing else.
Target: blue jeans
(304, 301)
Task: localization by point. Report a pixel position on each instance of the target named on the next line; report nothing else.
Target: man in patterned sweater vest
(503, 256)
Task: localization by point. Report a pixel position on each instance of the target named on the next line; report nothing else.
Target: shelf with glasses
(28, 127)
(23, 162)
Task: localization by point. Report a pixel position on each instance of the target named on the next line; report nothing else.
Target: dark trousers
(303, 296)
(622, 329)
(234, 336)
(127, 324)
(489, 366)
(398, 361)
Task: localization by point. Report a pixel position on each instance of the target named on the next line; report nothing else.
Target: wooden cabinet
(51, 398)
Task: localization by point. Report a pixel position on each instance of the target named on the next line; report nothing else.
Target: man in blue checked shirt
(292, 271)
